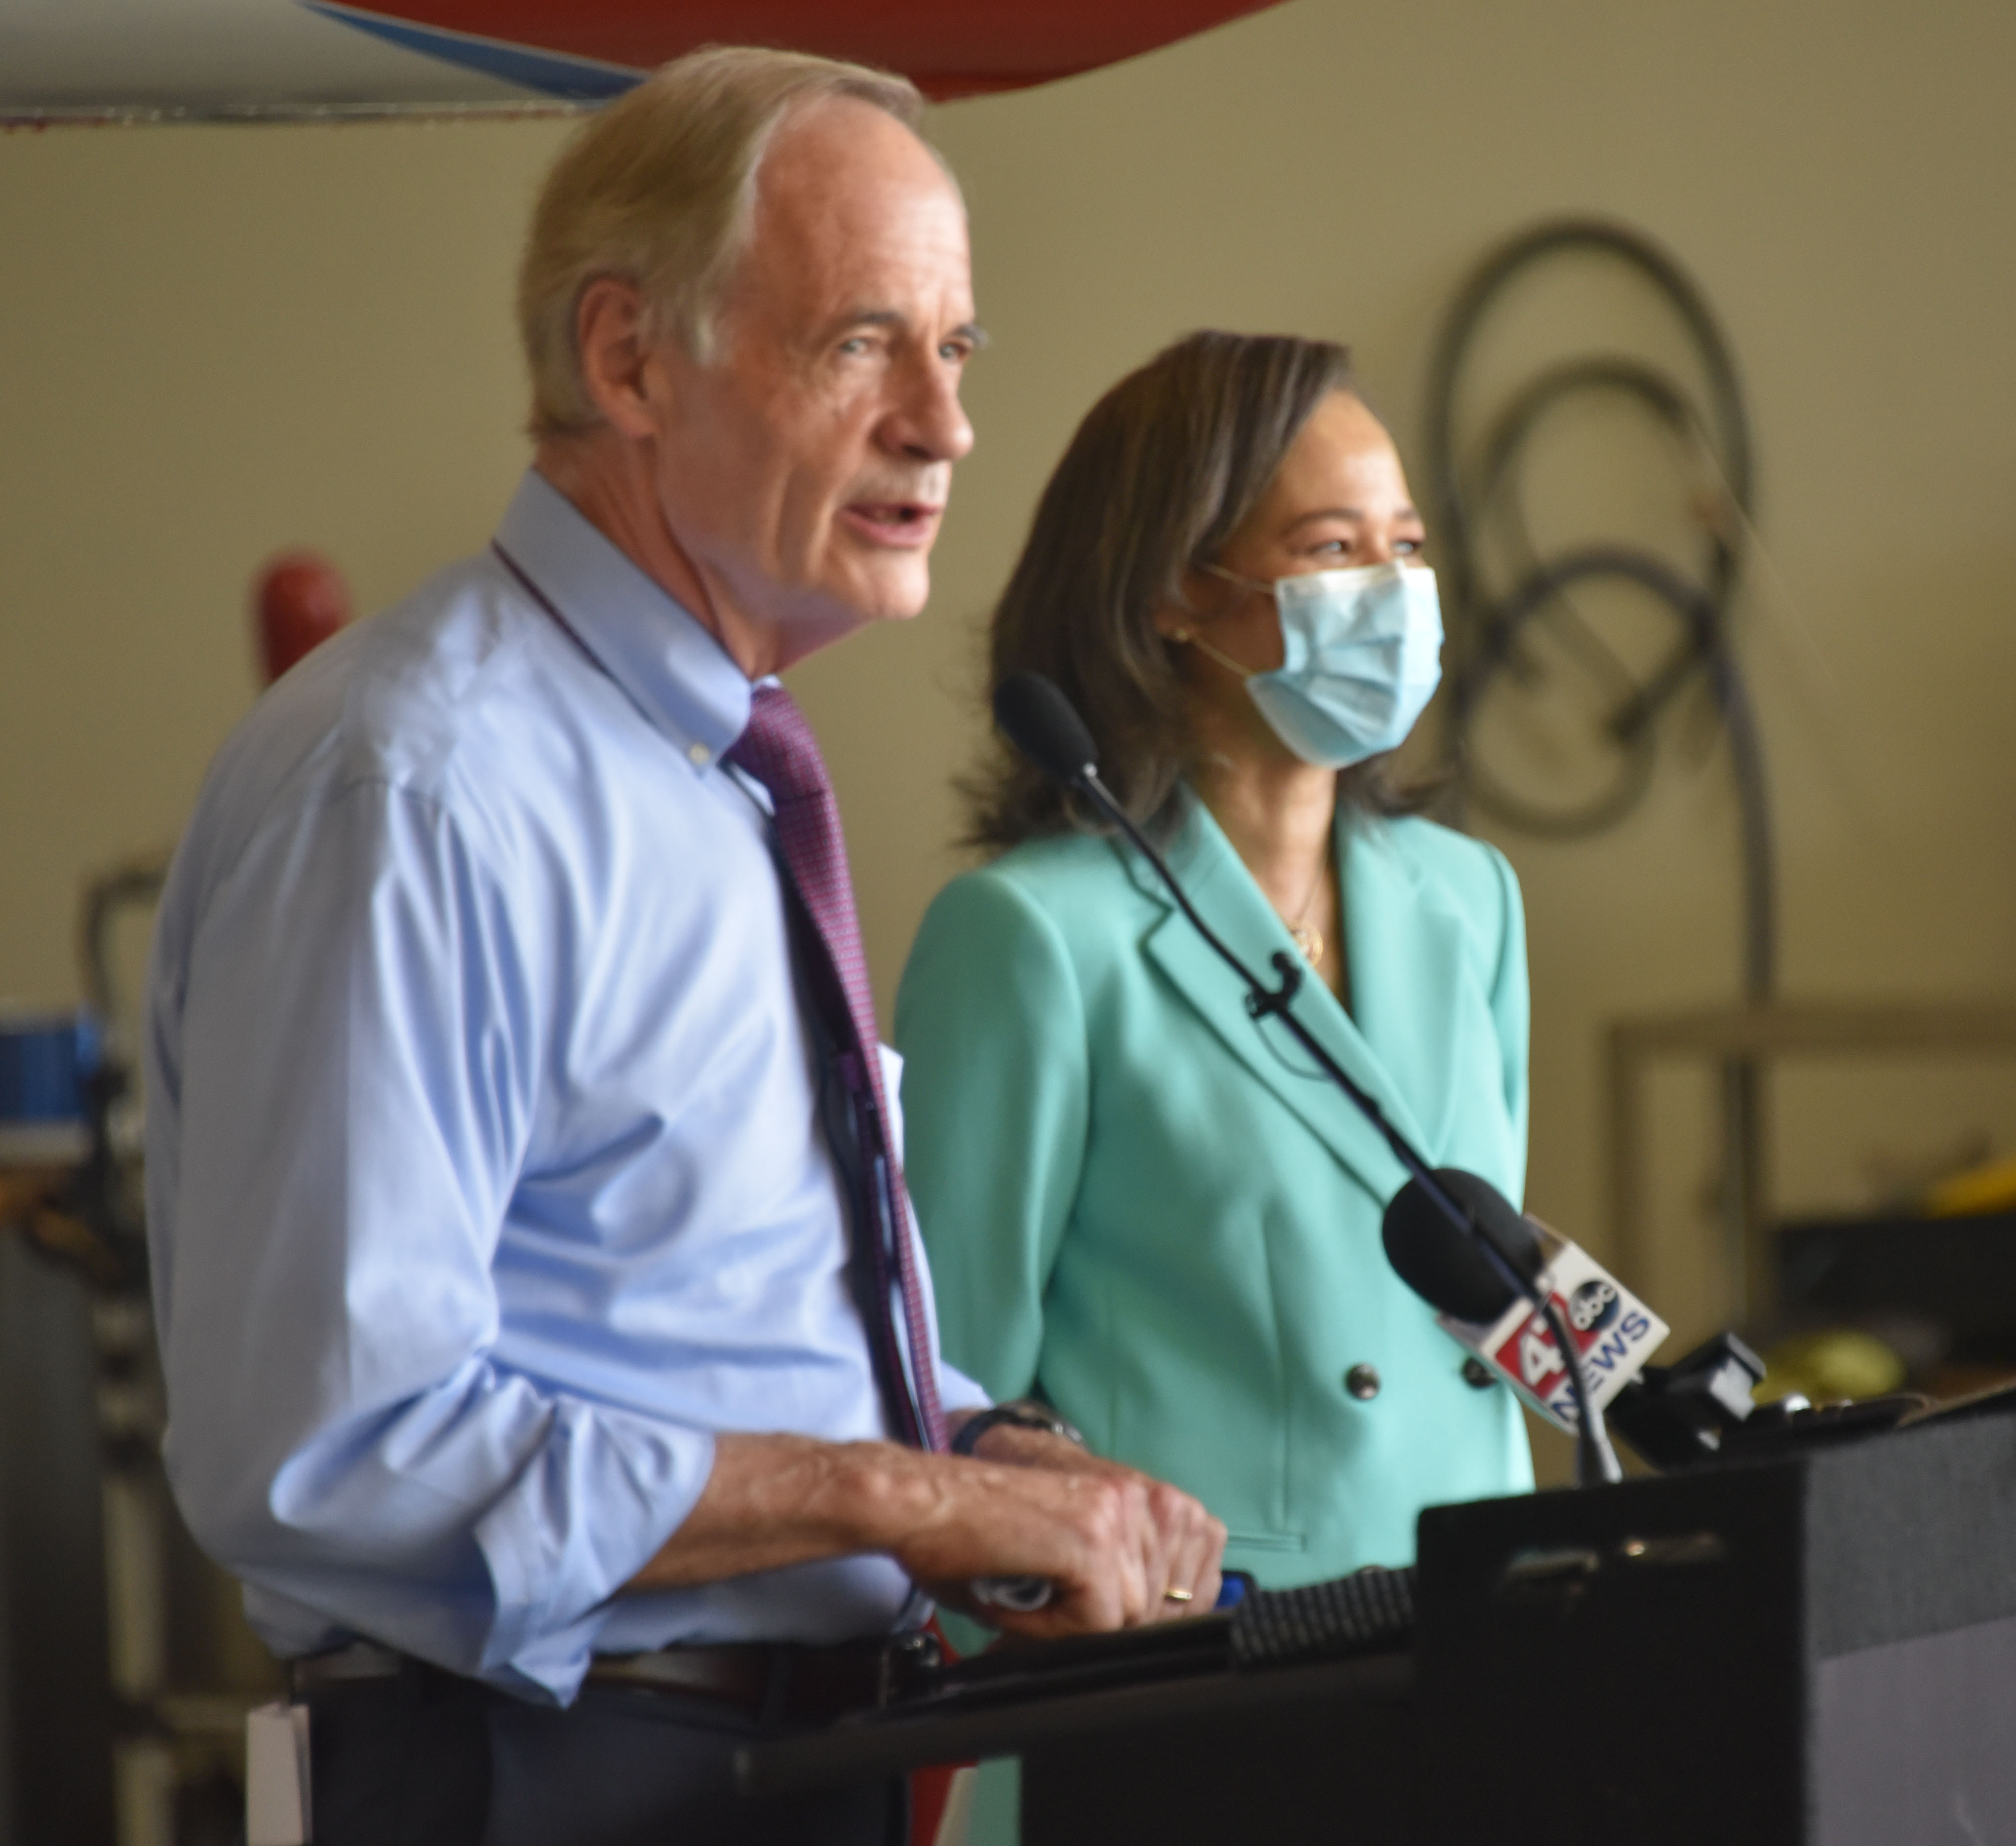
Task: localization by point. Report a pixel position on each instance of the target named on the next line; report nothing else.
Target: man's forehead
(853, 214)
(841, 168)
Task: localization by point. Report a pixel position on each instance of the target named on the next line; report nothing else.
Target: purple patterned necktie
(780, 750)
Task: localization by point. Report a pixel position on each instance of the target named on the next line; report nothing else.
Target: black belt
(774, 1681)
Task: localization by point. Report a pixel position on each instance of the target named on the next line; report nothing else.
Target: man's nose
(927, 423)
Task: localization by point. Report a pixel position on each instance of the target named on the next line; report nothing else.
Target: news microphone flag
(1614, 1331)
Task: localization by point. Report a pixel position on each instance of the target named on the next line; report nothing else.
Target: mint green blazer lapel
(1227, 897)
(1406, 945)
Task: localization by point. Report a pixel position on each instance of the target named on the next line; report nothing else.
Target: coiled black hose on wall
(1489, 627)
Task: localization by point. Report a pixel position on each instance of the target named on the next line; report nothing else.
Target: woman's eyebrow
(1400, 516)
(1348, 512)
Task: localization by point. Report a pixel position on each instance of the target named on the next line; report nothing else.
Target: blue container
(45, 1061)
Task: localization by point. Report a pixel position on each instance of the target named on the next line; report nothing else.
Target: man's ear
(615, 354)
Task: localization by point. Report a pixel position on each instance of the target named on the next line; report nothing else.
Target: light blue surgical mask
(1362, 656)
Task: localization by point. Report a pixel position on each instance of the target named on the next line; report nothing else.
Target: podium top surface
(1907, 1533)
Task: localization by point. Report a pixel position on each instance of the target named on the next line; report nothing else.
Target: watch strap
(1017, 1414)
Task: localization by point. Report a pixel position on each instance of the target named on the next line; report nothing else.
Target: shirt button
(700, 754)
(1478, 1375)
(1363, 1383)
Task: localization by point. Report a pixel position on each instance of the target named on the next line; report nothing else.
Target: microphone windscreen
(1041, 723)
(1445, 1265)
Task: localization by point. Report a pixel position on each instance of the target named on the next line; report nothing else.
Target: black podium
(1818, 1650)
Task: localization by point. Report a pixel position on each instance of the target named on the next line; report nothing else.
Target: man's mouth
(904, 525)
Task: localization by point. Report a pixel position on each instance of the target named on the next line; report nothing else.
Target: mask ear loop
(1187, 640)
(1212, 653)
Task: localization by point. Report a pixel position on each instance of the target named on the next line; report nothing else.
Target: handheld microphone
(1613, 1333)
(1040, 722)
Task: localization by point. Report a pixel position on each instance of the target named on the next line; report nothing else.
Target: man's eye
(957, 351)
(853, 347)
(1410, 547)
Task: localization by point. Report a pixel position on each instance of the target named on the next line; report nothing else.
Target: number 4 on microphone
(1538, 1359)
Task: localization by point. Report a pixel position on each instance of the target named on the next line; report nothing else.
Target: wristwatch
(1018, 1414)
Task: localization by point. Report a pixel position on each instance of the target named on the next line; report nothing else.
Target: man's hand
(1127, 1542)
(1112, 1541)
(1180, 1543)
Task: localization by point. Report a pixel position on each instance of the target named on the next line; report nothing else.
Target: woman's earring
(1179, 634)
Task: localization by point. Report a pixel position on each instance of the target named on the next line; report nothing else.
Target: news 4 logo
(1614, 1333)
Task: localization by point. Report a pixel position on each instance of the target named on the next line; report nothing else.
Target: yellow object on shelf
(1992, 1188)
(1826, 1366)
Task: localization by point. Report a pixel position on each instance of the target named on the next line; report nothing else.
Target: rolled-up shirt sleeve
(344, 1045)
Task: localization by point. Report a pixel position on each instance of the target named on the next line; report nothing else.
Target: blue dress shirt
(485, 1180)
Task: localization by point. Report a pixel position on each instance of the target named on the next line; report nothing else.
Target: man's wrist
(1000, 1427)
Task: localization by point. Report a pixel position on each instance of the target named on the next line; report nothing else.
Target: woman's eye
(1410, 547)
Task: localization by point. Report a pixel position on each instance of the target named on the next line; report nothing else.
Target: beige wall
(214, 342)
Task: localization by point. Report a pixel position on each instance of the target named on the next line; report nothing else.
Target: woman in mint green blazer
(1140, 1205)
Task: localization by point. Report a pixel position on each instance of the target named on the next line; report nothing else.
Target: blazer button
(1363, 1383)
(1478, 1375)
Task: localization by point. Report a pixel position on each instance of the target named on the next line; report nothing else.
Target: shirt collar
(673, 670)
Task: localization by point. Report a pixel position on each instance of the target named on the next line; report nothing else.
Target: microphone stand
(1596, 1461)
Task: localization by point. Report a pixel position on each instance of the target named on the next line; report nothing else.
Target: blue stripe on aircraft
(575, 79)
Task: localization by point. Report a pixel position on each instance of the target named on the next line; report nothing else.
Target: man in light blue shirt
(502, 1255)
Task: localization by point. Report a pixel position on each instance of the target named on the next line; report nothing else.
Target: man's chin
(895, 592)
(816, 616)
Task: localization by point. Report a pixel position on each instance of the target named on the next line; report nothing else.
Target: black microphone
(1041, 722)
(1448, 1268)
(1043, 725)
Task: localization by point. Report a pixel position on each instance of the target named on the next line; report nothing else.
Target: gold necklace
(1308, 937)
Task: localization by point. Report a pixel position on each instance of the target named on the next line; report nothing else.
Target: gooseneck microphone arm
(1041, 723)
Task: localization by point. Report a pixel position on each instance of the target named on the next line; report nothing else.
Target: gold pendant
(1308, 939)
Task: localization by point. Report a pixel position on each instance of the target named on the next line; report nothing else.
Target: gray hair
(659, 190)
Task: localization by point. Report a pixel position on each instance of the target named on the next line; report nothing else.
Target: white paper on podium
(279, 1806)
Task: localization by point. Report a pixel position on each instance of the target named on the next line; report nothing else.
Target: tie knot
(778, 747)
